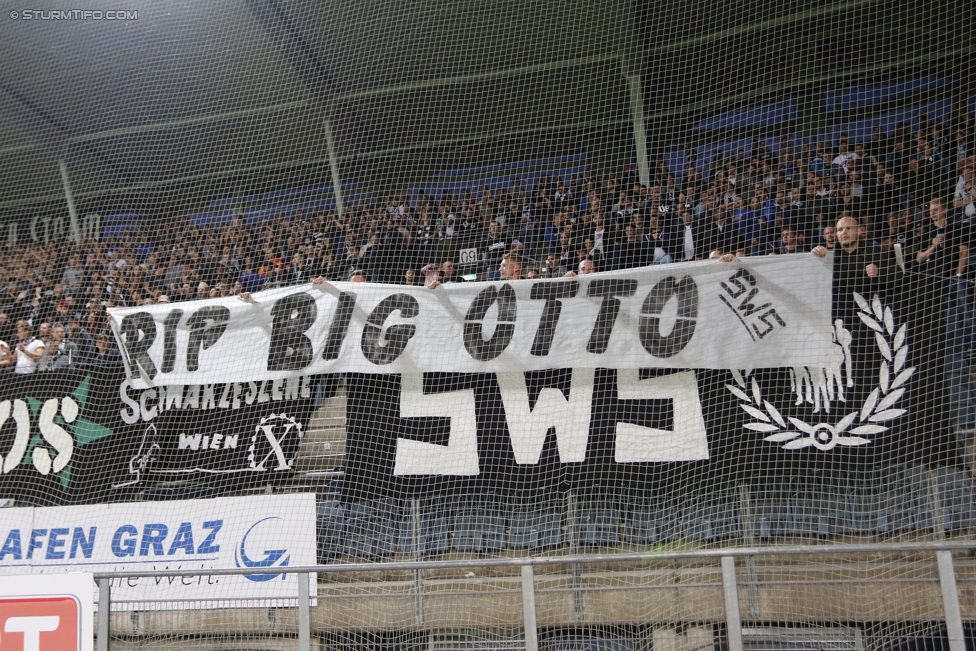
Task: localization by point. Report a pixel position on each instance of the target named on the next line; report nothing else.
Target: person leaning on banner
(357, 276)
(852, 252)
(857, 268)
(585, 268)
(722, 237)
(828, 239)
(655, 242)
(435, 276)
(589, 252)
(494, 248)
(789, 242)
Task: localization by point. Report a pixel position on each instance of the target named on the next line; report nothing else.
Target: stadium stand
(433, 183)
(282, 242)
(229, 251)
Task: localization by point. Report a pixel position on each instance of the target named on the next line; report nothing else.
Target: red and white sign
(46, 613)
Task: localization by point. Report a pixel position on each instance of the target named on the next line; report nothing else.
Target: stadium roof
(191, 90)
(190, 98)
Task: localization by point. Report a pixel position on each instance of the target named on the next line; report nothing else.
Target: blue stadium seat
(479, 525)
(771, 512)
(330, 517)
(920, 497)
(810, 512)
(334, 488)
(867, 496)
(955, 490)
(370, 528)
(817, 505)
(597, 522)
(906, 505)
(649, 520)
(711, 515)
(536, 520)
(915, 491)
(433, 527)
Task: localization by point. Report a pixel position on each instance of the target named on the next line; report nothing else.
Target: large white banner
(752, 313)
(261, 531)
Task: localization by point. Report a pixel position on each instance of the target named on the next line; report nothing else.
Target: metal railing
(941, 549)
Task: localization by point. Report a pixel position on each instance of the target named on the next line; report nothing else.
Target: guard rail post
(104, 612)
(528, 608)
(304, 620)
(733, 622)
(950, 601)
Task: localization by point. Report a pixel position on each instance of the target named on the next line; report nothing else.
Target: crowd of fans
(772, 198)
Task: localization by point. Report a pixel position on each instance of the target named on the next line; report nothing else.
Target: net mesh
(268, 250)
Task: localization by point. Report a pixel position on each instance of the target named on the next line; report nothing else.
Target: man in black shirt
(847, 230)
(857, 268)
(686, 241)
(630, 252)
(722, 236)
(943, 263)
(947, 243)
(566, 253)
(789, 242)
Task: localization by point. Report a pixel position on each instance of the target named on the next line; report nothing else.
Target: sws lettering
(570, 416)
(758, 317)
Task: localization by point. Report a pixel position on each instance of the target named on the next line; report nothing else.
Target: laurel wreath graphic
(275, 449)
(878, 407)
